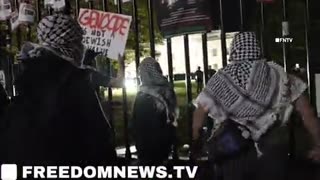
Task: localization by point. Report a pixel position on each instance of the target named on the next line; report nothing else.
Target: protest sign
(14, 21)
(26, 13)
(105, 32)
(55, 4)
(48, 3)
(5, 9)
(59, 4)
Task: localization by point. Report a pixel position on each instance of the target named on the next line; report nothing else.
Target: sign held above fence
(26, 13)
(5, 10)
(105, 32)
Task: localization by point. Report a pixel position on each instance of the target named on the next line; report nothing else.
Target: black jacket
(56, 117)
(153, 136)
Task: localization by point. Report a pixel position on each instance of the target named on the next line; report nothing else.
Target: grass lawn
(180, 90)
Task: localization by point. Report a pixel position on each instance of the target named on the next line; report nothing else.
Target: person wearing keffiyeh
(258, 95)
(56, 116)
(154, 114)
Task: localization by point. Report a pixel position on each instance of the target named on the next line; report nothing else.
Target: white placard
(26, 13)
(14, 21)
(59, 4)
(48, 3)
(105, 32)
(5, 10)
(123, 1)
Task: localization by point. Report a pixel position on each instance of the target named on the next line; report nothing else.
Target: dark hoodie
(56, 117)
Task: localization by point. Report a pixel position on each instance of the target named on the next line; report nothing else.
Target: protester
(211, 72)
(256, 96)
(57, 117)
(154, 115)
(199, 79)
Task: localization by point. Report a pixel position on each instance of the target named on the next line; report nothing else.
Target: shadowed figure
(57, 117)
(154, 115)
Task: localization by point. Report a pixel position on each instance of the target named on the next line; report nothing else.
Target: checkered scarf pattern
(245, 87)
(63, 35)
(245, 46)
(156, 85)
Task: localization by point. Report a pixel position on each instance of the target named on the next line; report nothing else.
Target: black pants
(199, 86)
(272, 165)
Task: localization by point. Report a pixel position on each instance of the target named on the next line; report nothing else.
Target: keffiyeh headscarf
(61, 35)
(157, 86)
(250, 90)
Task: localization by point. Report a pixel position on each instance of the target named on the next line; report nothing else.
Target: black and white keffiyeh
(250, 90)
(61, 35)
(157, 86)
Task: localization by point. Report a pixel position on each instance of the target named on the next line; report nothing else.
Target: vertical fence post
(175, 155)
(285, 50)
(285, 33)
(241, 15)
(18, 35)
(136, 35)
(188, 87)
(307, 47)
(9, 64)
(125, 105)
(223, 37)
(170, 63)
(110, 93)
(77, 7)
(151, 28)
(262, 30)
(205, 57)
(38, 8)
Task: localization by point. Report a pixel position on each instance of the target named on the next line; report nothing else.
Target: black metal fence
(10, 39)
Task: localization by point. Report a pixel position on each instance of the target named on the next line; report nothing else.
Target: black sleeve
(89, 127)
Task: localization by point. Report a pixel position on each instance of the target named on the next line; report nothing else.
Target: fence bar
(136, 35)
(151, 28)
(188, 86)
(170, 63)
(9, 64)
(205, 57)
(223, 37)
(125, 104)
(285, 47)
(262, 29)
(110, 93)
(38, 7)
(90, 4)
(241, 16)
(175, 155)
(307, 39)
(18, 35)
(77, 7)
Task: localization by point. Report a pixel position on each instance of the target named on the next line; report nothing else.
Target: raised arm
(199, 116)
(311, 123)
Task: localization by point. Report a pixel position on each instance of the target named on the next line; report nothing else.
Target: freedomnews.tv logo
(10, 172)
(283, 40)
